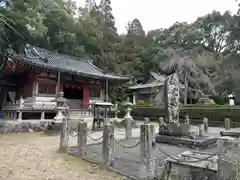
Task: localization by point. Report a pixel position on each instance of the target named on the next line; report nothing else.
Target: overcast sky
(154, 14)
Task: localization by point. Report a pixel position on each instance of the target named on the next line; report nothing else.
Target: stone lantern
(61, 107)
(128, 119)
(128, 109)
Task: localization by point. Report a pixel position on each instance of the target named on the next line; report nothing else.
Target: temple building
(30, 82)
(148, 89)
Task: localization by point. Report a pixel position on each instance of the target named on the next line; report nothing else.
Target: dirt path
(33, 156)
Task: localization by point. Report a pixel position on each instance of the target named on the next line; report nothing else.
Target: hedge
(214, 113)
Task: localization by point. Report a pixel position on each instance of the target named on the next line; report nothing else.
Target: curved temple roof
(59, 62)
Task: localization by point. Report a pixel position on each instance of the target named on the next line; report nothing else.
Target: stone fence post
(82, 137)
(64, 136)
(108, 144)
(186, 119)
(205, 123)
(60, 118)
(227, 123)
(148, 161)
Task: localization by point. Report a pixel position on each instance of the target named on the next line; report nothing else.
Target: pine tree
(135, 29)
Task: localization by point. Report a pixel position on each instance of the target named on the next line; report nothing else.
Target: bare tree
(193, 72)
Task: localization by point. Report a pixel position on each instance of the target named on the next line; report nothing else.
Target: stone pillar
(161, 125)
(64, 136)
(201, 129)
(146, 120)
(82, 137)
(227, 123)
(20, 116)
(21, 102)
(42, 115)
(108, 144)
(186, 119)
(205, 123)
(60, 118)
(148, 161)
(134, 98)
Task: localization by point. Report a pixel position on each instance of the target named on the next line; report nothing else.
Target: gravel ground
(34, 156)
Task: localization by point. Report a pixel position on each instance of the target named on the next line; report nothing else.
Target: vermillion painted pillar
(85, 96)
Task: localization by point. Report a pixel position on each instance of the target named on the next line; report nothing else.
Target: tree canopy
(59, 25)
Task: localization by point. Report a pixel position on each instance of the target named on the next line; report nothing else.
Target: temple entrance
(74, 94)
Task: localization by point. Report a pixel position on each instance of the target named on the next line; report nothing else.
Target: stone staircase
(79, 113)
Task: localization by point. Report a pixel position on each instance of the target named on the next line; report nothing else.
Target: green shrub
(143, 104)
(206, 101)
(215, 114)
(220, 98)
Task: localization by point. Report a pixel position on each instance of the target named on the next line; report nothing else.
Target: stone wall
(28, 126)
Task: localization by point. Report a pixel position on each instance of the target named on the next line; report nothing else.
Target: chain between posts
(97, 139)
(71, 132)
(126, 146)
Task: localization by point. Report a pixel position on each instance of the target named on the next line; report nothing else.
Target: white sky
(154, 14)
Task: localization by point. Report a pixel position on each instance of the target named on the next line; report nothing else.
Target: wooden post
(148, 161)
(205, 123)
(64, 137)
(108, 144)
(227, 123)
(82, 137)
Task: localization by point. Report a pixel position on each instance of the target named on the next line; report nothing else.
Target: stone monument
(172, 131)
(172, 98)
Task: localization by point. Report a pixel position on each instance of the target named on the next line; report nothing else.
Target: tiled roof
(158, 77)
(147, 85)
(54, 61)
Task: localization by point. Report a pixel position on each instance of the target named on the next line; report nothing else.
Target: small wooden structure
(100, 113)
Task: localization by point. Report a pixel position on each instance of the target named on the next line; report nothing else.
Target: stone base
(199, 142)
(121, 124)
(235, 134)
(173, 129)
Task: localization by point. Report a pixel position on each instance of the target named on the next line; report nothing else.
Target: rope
(71, 132)
(187, 161)
(94, 138)
(126, 146)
